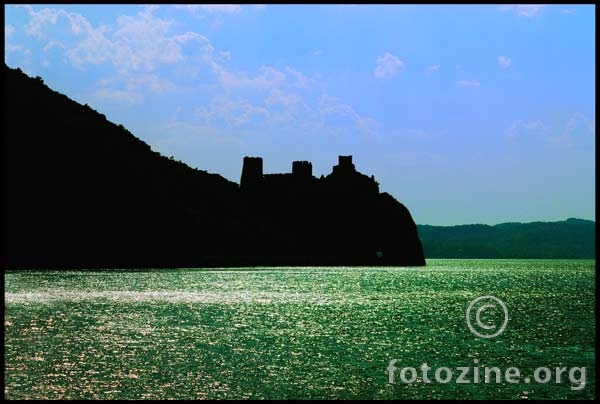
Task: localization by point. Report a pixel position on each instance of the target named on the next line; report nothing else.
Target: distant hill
(79, 191)
(572, 238)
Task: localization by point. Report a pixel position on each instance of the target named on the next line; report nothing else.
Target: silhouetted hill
(573, 238)
(79, 191)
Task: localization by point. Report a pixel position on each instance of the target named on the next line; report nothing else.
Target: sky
(464, 113)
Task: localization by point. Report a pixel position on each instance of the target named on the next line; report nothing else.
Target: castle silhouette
(337, 219)
(344, 177)
(106, 200)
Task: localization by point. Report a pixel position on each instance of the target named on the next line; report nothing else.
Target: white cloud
(523, 10)
(467, 83)
(132, 87)
(387, 66)
(317, 52)
(332, 107)
(365, 123)
(13, 48)
(299, 79)
(154, 83)
(287, 108)
(144, 43)
(578, 122)
(460, 68)
(137, 47)
(121, 96)
(140, 42)
(53, 44)
(143, 49)
(269, 77)
(520, 128)
(504, 62)
(8, 31)
(533, 125)
(211, 8)
(277, 96)
(225, 110)
(39, 19)
(575, 126)
(432, 69)
(224, 56)
(570, 11)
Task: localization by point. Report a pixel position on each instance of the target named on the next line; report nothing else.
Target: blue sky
(466, 114)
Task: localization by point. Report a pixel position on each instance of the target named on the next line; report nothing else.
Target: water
(295, 332)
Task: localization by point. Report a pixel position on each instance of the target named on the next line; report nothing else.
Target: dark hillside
(70, 175)
(79, 191)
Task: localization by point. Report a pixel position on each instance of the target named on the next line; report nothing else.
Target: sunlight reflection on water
(290, 332)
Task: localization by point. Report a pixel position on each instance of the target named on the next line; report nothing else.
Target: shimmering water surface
(293, 332)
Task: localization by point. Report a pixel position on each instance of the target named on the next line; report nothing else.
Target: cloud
(144, 41)
(523, 10)
(520, 127)
(152, 81)
(224, 56)
(8, 31)
(576, 125)
(211, 8)
(141, 50)
(299, 79)
(139, 42)
(227, 111)
(534, 125)
(317, 52)
(287, 108)
(570, 11)
(387, 66)
(467, 83)
(277, 96)
(432, 69)
(121, 96)
(13, 48)
(129, 89)
(137, 47)
(330, 106)
(268, 77)
(504, 62)
(53, 44)
(39, 20)
(578, 122)
(460, 68)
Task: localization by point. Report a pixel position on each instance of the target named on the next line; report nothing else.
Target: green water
(295, 332)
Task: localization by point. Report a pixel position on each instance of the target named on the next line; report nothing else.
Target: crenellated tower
(302, 169)
(252, 173)
(344, 165)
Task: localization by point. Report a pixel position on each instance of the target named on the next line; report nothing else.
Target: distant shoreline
(568, 239)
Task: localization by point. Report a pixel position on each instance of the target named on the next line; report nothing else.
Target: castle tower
(302, 169)
(344, 164)
(252, 172)
(345, 161)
